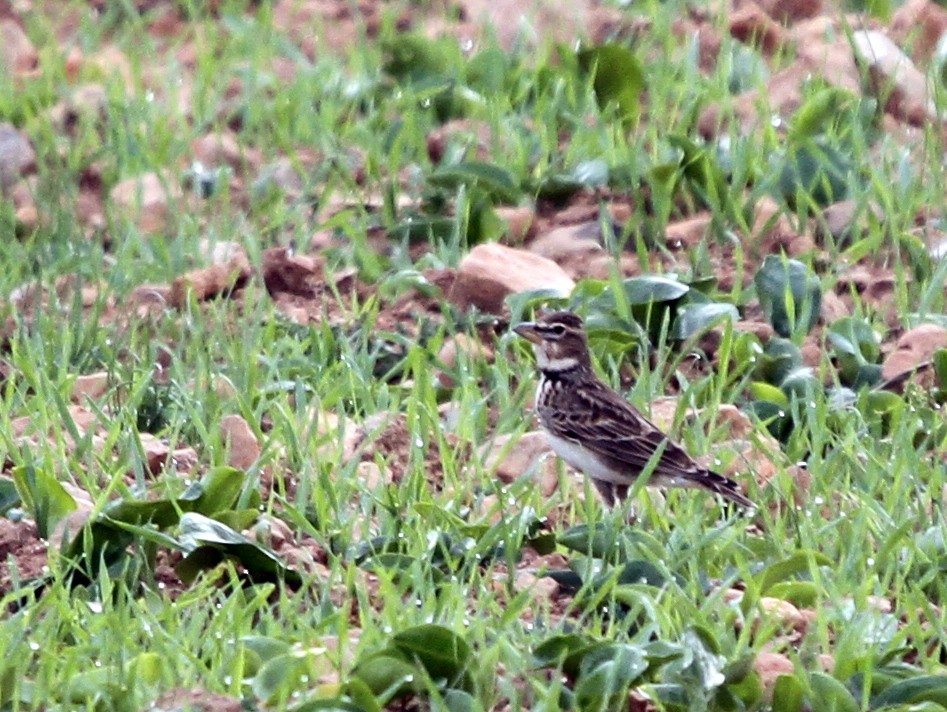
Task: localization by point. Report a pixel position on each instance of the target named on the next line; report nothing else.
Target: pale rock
(371, 475)
(519, 221)
(218, 279)
(770, 666)
(539, 588)
(159, 455)
(18, 56)
(896, 79)
(146, 199)
(688, 233)
(490, 272)
(70, 525)
(847, 218)
(243, 447)
(914, 348)
(510, 457)
(751, 25)
(222, 148)
(17, 156)
(86, 103)
(569, 241)
(783, 613)
(832, 308)
(272, 532)
(788, 11)
(91, 385)
(919, 25)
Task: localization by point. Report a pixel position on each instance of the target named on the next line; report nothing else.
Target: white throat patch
(566, 363)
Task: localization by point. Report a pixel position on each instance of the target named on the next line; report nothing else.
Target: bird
(597, 431)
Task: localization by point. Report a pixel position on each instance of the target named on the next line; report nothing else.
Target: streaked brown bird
(598, 432)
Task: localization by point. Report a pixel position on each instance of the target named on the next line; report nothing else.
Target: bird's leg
(614, 495)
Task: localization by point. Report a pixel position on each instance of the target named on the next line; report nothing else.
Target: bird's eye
(557, 329)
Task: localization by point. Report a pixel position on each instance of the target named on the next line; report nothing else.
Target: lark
(598, 432)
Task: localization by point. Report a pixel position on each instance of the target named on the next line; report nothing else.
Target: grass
(392, 558)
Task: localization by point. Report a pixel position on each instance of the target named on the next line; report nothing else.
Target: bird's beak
(528, 331)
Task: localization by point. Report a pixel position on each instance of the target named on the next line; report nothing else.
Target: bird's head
(559, 341)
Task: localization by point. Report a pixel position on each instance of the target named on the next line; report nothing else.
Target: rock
(490, 272)
(159, 456)
(511, 457)
(921, 23)
(243, 447)
(222, 148)
(17, 53)
(832, 308)
(70, 525)
(895, 78)
(770, 666)
(688, 233)
(787, 11)
(146, 198)
(519, 221)
(539, 588)
(92, 385)
(86, 103)
(213, 281)
(783, 613)
(846, 219)
(17, 156)
(565, 242)
(472, 350)
(302, 275)
(914, 348)
(751, 25)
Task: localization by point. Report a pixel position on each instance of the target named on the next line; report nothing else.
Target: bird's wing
(609, 426)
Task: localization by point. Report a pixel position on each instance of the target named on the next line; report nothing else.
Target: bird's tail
(718, 484)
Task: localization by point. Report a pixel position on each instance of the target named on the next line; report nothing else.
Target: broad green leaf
(442, 653)
(769, 393)
(817, 170)
(486, 71)
(694, 318)
(925, 688)
(800, 593)
(618, 78)
(220, 488)
(43, 496)
(280, 677)
(608, 670)
(460, 701)
(789, 694)
(832, 695)
(147, 668)
(789, 294)
(9, 496)
(199, 532)
(419, 228)
(788, 568)
(553, 651)
(265, 647)
(780, 357)
(598, 541)
(388, 676)
(800, 384)
(653, 290)
(641, 571)
(496, 181)
(415, 58)
(851, 335)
